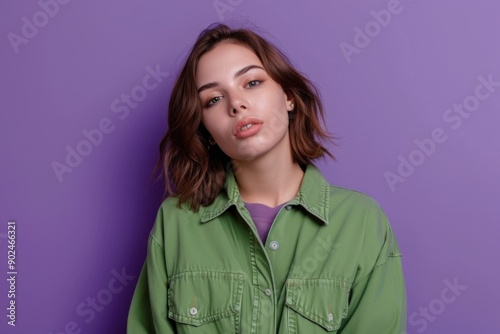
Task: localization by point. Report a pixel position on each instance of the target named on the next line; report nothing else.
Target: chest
(222, 267)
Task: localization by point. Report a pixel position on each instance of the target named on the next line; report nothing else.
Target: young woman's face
(245, 111)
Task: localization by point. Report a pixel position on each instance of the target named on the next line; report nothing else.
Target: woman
(252, 238)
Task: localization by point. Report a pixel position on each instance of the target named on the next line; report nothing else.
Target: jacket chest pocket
(316, 305)
(205, 302)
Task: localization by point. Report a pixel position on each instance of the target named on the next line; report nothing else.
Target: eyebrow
(237, 74)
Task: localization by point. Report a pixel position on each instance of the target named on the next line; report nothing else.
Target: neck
(268, 181)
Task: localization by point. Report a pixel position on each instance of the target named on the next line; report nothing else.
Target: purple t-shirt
(263, 217)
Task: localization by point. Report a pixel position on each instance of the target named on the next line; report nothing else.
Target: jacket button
(288, 207)
(193, 311)
(268, 292)
(274, 245)
(330, 317)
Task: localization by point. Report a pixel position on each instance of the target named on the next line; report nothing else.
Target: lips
(247, 127)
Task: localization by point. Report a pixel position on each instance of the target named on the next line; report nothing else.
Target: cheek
(279, 122)
(278, 115)
(216, 126)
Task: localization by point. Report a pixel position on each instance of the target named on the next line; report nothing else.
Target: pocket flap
(323, 301)
(196, 298)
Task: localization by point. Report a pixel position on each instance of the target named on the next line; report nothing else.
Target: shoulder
(171, 206)
(352, 199)
(170, 216)
(361, 212)
(336, 202)
(358, 208)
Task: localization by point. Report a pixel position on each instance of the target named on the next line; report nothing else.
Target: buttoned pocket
(205, 301)
(316, 305)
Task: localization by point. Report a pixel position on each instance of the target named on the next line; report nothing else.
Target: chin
(252, 151)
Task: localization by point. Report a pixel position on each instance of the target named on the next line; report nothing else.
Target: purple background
(72, 234)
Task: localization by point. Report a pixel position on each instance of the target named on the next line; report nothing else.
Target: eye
(254, 83)
(213, 101)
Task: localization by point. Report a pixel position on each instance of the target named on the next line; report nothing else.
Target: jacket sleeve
(149, 308)
(378, 299)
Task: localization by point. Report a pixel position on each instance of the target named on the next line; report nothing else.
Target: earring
(211, 142)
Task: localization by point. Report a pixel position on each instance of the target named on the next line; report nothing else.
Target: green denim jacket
(330, 264)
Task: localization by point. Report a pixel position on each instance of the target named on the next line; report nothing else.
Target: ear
(290, 103)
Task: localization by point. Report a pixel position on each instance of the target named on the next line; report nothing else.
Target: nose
(238, 104)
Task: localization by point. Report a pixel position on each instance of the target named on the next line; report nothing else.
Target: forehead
(223, 61)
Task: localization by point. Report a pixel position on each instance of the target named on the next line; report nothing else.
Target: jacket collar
(313, 196)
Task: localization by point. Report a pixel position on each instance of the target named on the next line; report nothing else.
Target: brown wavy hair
(193, 170)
